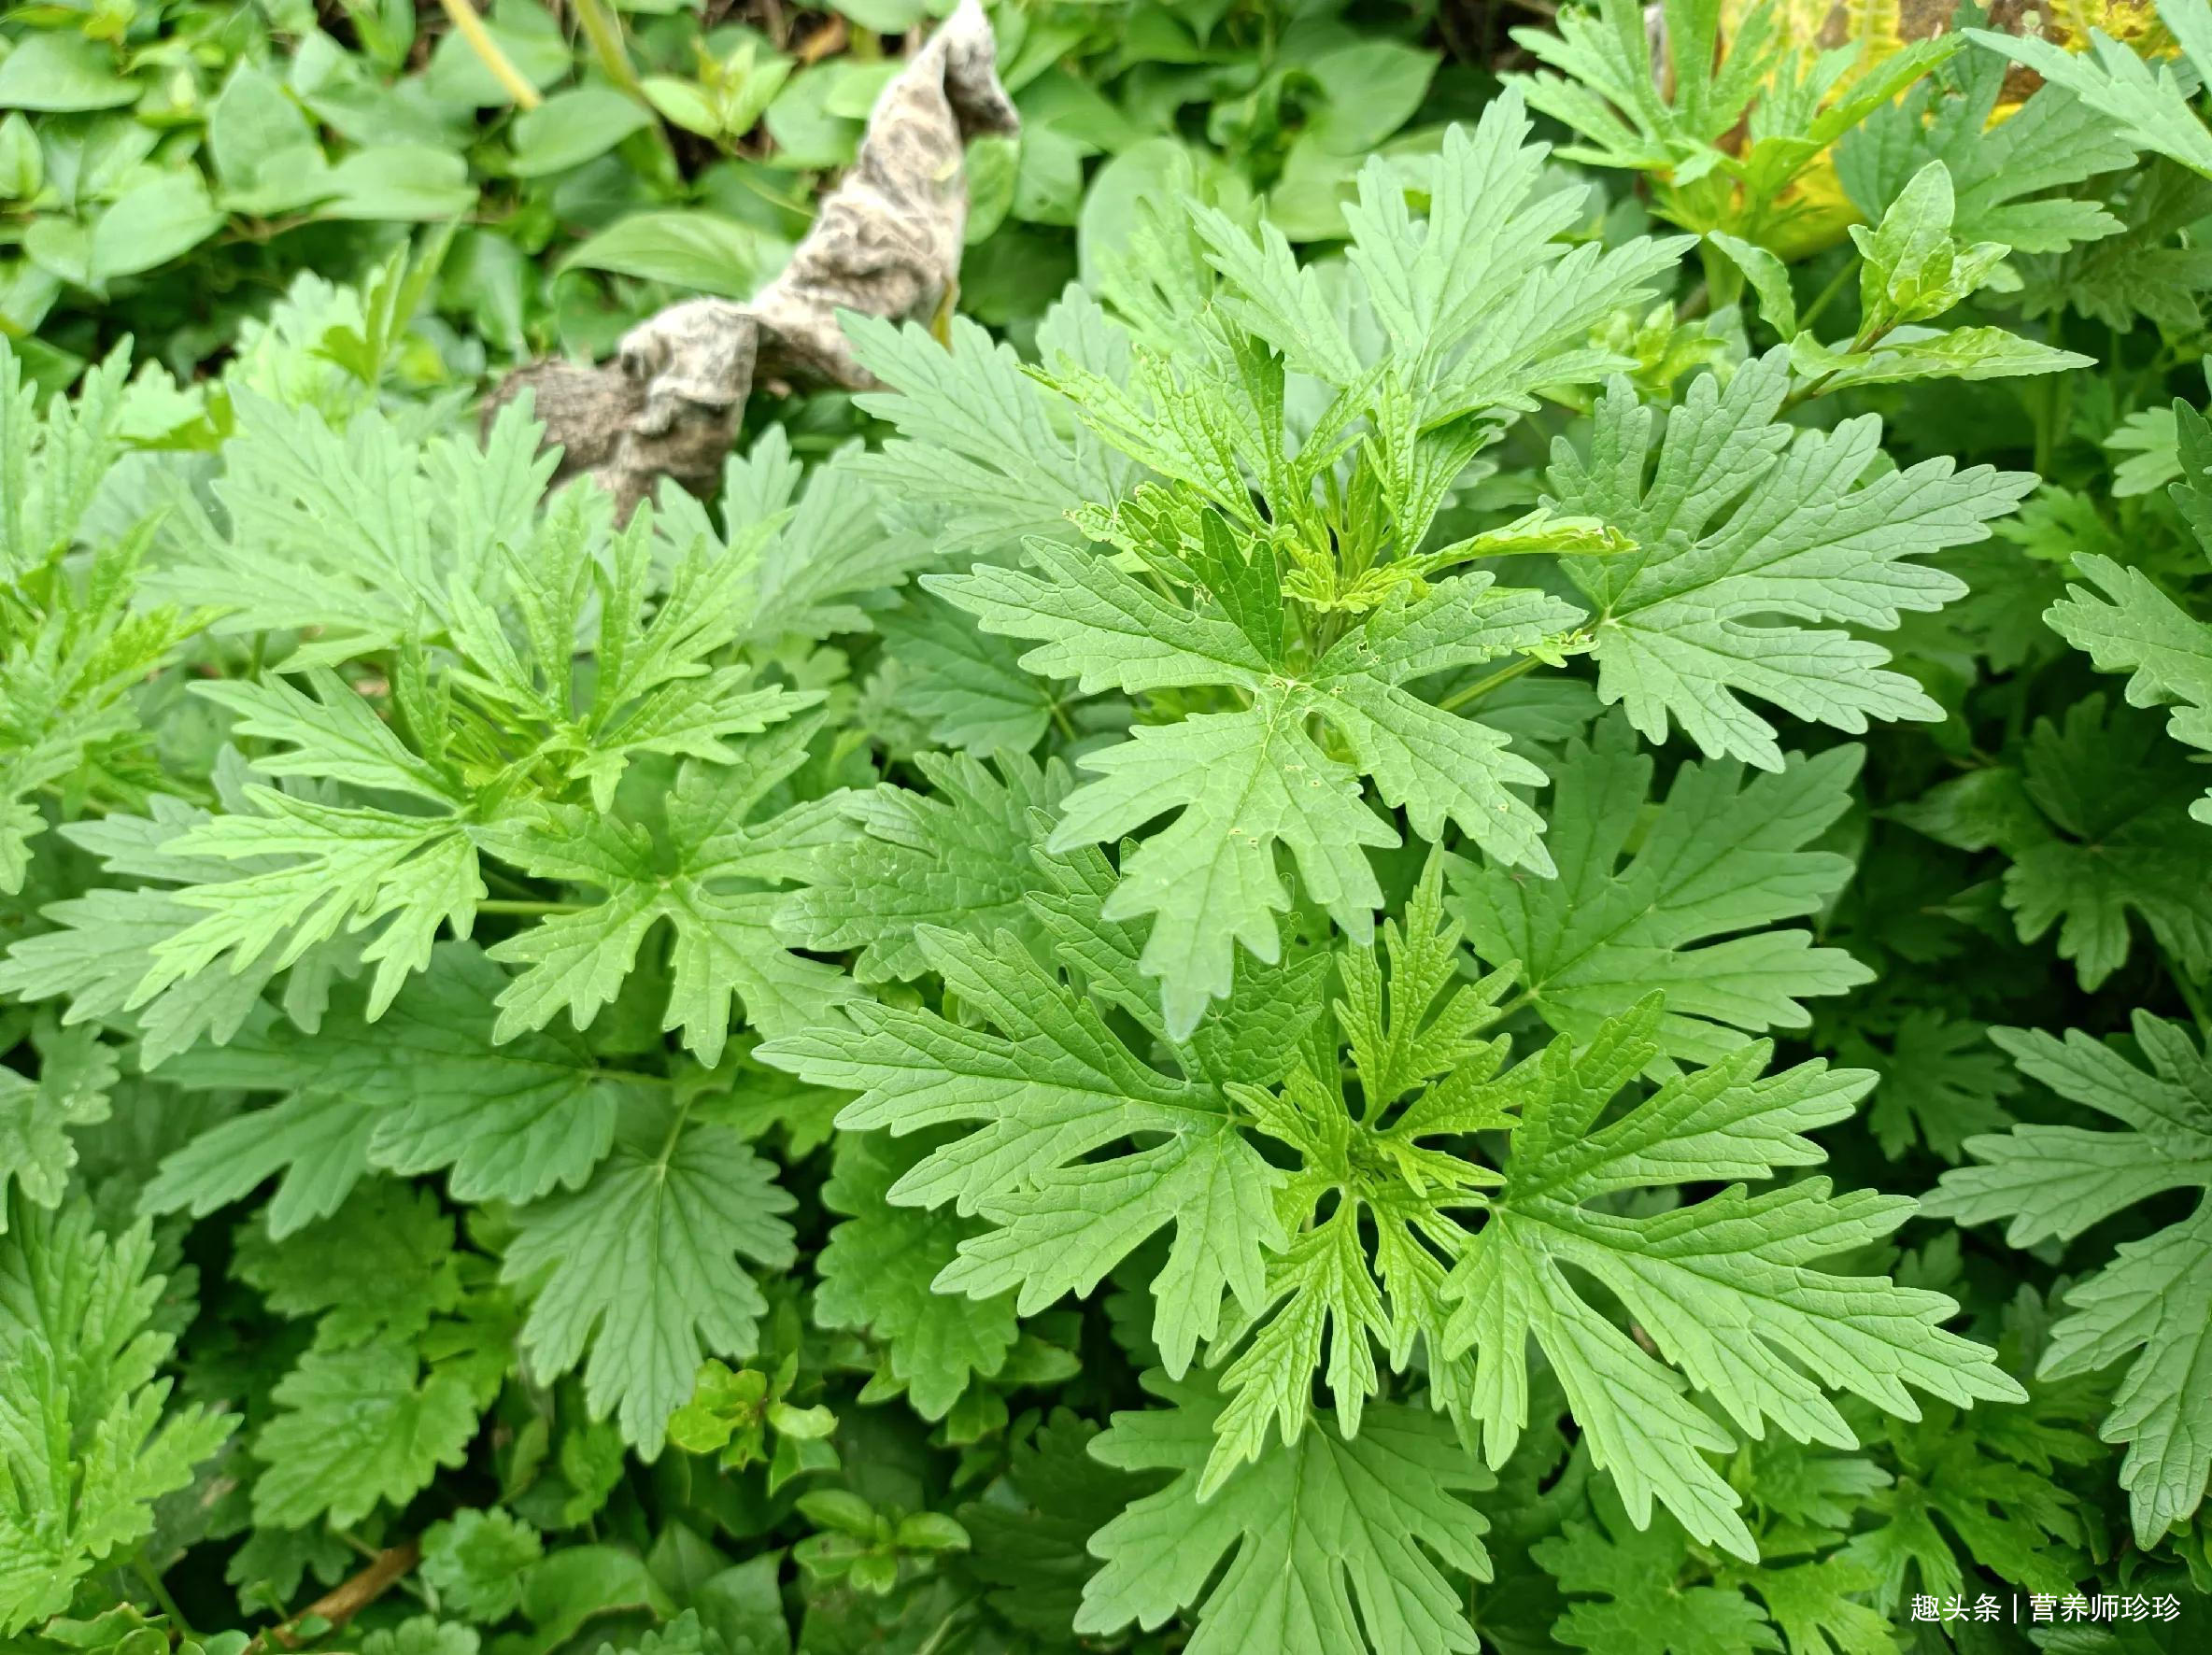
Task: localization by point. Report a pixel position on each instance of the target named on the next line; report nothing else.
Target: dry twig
(886, 243)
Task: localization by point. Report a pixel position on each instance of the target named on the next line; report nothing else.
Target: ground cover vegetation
(1448, 890)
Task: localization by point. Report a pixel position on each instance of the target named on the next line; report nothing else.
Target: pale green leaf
(875, 1273)
(355, 1429)
(2151, 1306)
(1744, 520)
(2133, 627)
(1691, 911)
(85, 1448)
(2148, 103)
(1726, 1288)
(1334, 1546)
(640, 1268)
(1052, 1086)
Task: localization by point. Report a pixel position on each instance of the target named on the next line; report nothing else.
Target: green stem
(2192, 995)
(504, 905)
(470, 27)
(361, 1547)
(147, 1573)
(2055, 411)
(1868, 338)
(1483, 686)
(675, 1129)
(1826, 296)
(944, 1628)
(605, 35)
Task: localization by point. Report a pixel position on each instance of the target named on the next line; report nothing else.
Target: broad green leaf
(157, 222)
(572, 127)
(1769, 278)
(1334, 1546)
(1051, 1088)
(357, 1428)
(84, 1442)
(2151, 1306)
(398, 183)
(640, 1268)
(1743, 519)
(875, 1273)
(1691, 912)
(59, 71)
(688, 248)
(1725, 1289)
(1926, 353)
(262, 145)
(529, 38)
(318, 1141)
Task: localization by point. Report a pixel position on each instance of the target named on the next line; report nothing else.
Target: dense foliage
(1453, 893)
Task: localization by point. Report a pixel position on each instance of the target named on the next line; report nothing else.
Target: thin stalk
(676, 1130)
(386, 1569)
(1826, 296)
(152, 1579)
(944, 1628)
(506, 905)
(2192, 995)
(639, 1075)
(605, 35)
(1483, 686)
(1867, 339)
(470, 27)
(2054, 412)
